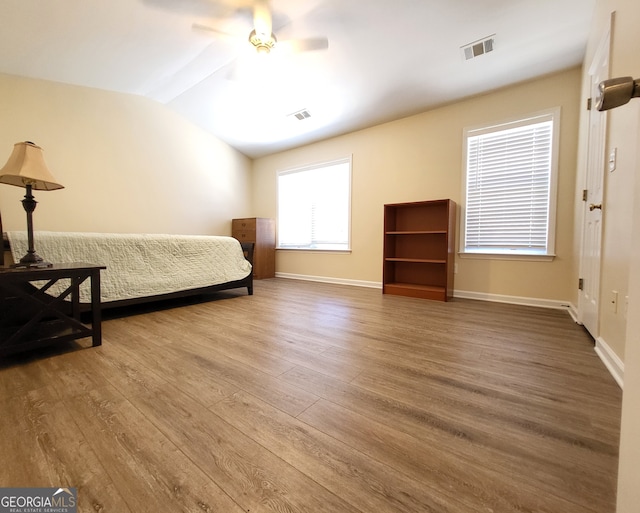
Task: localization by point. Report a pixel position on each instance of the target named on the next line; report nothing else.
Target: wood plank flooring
(309, 397)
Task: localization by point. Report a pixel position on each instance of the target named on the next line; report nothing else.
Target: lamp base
(40, 265)
(32, 259)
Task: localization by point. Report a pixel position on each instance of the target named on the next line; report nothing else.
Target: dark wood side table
(31, 318)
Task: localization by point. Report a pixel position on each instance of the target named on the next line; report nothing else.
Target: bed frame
(247, 248)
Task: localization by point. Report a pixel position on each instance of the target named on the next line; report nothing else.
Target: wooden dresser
(262, 232)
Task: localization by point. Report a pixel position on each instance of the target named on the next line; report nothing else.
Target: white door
(589, 296)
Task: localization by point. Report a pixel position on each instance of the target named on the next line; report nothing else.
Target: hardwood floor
(308, 397)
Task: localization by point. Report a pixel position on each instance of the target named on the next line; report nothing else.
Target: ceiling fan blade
(207, 28)
(203, 8)
(304, 45)
(262, 21)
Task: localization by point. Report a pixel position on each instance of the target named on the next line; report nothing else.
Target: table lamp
(26, 168)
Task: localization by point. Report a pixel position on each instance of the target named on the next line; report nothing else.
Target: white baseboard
(328, 279)
(514, 300)
(611, 361)
(498, 298)
(573, 312)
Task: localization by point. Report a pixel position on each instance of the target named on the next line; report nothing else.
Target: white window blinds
(510, 179)
(314, 207)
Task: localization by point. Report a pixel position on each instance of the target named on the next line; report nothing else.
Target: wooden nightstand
(262, 232)
(31, 318)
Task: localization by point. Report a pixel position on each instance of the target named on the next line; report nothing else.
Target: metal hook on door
(592, 207)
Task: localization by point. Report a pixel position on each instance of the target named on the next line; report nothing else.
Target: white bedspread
(140, 265)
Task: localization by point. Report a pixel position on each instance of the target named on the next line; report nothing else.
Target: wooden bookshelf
(419, 246)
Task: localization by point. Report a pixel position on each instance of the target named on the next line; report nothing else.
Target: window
(314, 206)
(510, 187)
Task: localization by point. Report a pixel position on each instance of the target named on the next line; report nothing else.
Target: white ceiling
(386, 58)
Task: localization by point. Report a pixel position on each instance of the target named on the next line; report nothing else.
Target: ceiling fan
(263, 39)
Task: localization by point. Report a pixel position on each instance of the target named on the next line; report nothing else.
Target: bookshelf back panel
(420, 217)
(420, 274)
(420, 246)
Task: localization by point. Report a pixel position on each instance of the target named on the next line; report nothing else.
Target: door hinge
(588, 103)
(580, 283)
(584, 194)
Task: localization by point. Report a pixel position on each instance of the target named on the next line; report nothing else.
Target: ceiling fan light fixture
(262, 43)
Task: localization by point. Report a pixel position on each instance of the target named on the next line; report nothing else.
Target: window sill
(315, 250)
(508, 256)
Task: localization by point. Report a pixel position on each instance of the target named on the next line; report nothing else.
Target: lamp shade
(26, 166)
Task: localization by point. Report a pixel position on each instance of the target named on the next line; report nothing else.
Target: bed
(142, 268)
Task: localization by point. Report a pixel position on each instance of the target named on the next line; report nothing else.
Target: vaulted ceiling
(385, 59)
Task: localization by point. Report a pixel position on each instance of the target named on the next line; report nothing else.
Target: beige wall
(629, 473)
(420, 158)
(128, 164)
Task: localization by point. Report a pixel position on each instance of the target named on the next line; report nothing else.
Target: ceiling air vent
(301, 114)
(477, 48)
